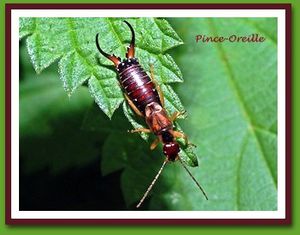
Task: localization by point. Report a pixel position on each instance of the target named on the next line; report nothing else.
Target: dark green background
(292, 229)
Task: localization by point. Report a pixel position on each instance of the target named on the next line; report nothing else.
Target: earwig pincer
(144, 96)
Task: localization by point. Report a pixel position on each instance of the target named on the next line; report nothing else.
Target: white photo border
(280, 213)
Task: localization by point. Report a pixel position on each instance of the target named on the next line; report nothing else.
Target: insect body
(146, 99)
(137, 84)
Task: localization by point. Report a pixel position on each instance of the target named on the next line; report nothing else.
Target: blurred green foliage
(230, 93)
(50, 121)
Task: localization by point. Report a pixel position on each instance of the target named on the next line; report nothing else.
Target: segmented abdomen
(137, 85)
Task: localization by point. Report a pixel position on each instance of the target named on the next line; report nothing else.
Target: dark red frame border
(11, 221)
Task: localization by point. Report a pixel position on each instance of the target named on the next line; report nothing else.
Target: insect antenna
(152, 184)
(193, 178)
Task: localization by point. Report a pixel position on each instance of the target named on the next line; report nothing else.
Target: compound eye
(171, 150)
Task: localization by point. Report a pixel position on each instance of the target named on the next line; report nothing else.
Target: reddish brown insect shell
(137, 84)
(145, 98)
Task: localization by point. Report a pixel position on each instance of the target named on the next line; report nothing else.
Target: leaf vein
(239, 160)
(240, 100)
(257, 27)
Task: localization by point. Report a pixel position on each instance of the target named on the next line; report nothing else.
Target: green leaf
(72, 42)
(134, 120)
(107, 98)
(26, 26)
(230, 92)
(188, 155)
(113, 158)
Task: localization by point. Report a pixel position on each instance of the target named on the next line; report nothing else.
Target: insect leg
(132, 105)
(161, 95)
(178, 134)
(176, 114)
(145, 130)
(154, 144)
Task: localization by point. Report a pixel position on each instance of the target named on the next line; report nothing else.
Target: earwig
(145, 98)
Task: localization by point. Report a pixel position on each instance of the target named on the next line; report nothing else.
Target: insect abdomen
(137, 84)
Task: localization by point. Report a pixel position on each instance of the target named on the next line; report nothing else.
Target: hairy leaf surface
(72, 42)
